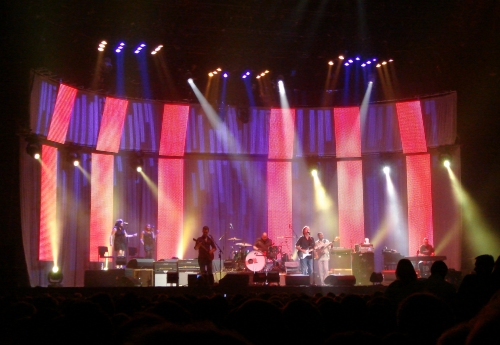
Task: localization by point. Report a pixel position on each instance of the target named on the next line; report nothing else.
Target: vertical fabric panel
(411, 127)
(350, 199)
(113, 118)
(62, 114)
(173, 130)
(48, 203)
(170, 208)
(279, 201)
(418, 182)
(101, 203)
(347, 132)
(281, 133)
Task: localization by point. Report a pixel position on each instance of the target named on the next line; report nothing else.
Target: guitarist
(305, 246)
(206, 248)
(322, 254)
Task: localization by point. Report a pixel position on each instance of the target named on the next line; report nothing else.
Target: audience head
(484, 264)
(405, 271)
(439, 268)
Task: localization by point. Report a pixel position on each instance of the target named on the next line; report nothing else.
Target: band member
(206, 247)
(305, 245)
(263, 243)
(322, 254)
(148, 240)
(118, 239)
(424, 267)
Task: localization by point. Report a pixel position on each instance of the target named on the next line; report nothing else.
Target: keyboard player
(426, 249)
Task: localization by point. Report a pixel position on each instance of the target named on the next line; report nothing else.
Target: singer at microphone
(305, 245)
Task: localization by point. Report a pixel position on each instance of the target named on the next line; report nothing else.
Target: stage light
(210, 74)
(225, 75)
(374, 60)
(244, 76)
(102, 45)
(350, 61)
(33, 148)
(330, 63)
(257, 77)
(248, 73)
(139, 169)
(447, 163)
(378, 65)
(363, 65)
(219, 69)
(262, 74)
(386, 170)
(346, 64)
(357, 58)
(266, 71)
(314, 172)
(55, 277)
(120, 47)
(384, 63)
(341, 57)
(190, 80)
(157, 49)
(391, 60)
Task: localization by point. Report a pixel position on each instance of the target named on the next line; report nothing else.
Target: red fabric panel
(281, 133)
(350, 195)
(347, 132)
(171, 209)
(48, 204)
(411, 127)
(420, 225)
(62, 114)
(173, 130)
(279, 202)
(101, 203)
(112, 122)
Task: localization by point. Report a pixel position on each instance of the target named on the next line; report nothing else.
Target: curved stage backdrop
(240, 176)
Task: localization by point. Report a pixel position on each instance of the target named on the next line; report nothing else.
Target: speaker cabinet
(101, 278)
(340, 280)
(297, 280)
(363, 265)
(141, 263)
(235, 280)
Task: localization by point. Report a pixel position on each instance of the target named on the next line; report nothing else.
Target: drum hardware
(234, 239)
(243, 244)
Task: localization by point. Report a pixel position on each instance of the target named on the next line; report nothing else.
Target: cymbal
(243, 244)
(234, 239)
(284, 236)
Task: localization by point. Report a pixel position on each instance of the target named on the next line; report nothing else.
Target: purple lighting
(346, 64)
(225, 75)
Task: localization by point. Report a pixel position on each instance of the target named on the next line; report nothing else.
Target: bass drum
(255, 261)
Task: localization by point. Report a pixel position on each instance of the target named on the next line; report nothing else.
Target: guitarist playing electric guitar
(305, 246)
(205, 246)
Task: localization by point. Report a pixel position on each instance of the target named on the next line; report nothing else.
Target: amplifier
(189, 265)
(170, 265)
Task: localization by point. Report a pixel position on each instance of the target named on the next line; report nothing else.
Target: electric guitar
(304, 254)
(210, 252)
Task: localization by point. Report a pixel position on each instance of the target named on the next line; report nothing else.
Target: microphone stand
(220, 257)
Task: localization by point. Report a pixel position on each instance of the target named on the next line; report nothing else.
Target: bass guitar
(319, 250)
(210, 252)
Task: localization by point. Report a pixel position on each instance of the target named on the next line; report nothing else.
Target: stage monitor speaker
(235, 280)
(297, 280)
(129, 282)
(340, 280)
(121, 260)
(197, 280)
(102, 278)
(141, 263)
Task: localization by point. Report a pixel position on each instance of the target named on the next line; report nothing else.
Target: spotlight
(120, 47)
(447, 163)
(350, 61)
(368, 62)
(219, 69)
(190, 80)
(330, 63)
(378, 65)
(225, 75)
(346, 64)
(445, 158)
(384, 63)
(210, 74)
(357, 58)
(157, 49)
(55, 277)
(136, 161)
(102, 45)
(33, 148)
(363, 65)
(139, 169)
(386, 170)
(391, 60)
(341, 57)
(314, 172)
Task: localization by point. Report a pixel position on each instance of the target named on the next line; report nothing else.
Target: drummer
(263, 243)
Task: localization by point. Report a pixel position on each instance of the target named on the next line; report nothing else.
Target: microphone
(126, 223)
(221, 237)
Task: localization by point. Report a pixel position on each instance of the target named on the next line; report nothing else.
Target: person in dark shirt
(424, 267)
(206, 247)
(118, 239)
(305, 245)
(148, 240)
(263, 243)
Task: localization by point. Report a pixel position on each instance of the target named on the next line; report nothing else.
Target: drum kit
(256, 260)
